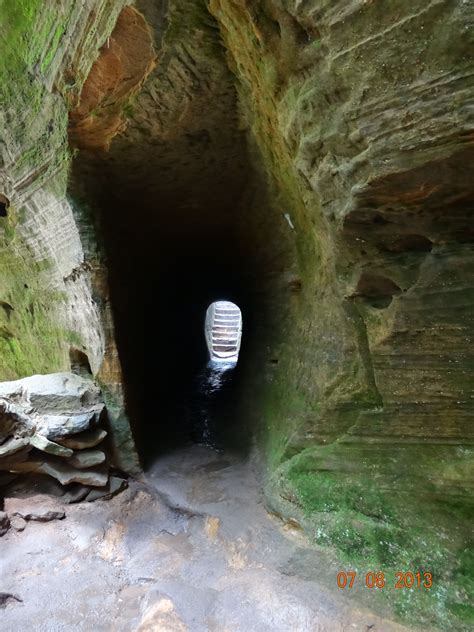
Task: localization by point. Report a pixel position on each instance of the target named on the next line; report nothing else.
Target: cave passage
(167, 265)
(191, 397)
(185, 220)
(178, 395)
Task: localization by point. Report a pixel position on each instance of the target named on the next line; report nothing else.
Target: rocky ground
(189, 548)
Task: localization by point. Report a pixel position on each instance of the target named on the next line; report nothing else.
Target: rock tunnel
(176, 264)
(310, 162)
(173, 198)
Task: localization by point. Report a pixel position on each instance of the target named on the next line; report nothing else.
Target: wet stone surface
(192, 549)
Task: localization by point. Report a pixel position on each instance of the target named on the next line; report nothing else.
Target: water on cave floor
(212, 382)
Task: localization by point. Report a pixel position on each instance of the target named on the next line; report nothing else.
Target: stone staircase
(223, 330)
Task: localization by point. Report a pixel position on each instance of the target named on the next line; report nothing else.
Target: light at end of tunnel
(223, 331)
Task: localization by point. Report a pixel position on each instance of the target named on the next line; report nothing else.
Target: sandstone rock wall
(362, 115)
(333, 142)
(53, 288)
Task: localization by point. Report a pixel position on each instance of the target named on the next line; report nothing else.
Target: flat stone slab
(39, 508)
(87, 439)
(40, 442)
(113, 487)
(58, 426)
(7, 462)
(75, 494)
(86, 458)
(64, 473)
(11, 446)
(44, 516)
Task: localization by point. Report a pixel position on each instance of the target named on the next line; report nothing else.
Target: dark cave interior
(167, 262)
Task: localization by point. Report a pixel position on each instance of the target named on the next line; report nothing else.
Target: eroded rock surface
(54, 303)
(192, 549)
(41, 508)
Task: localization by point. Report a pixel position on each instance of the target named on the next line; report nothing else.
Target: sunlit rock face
(124, 62)
(327, 147)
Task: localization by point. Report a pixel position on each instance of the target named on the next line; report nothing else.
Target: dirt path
(192, 549)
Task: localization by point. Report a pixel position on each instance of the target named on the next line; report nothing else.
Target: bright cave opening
(223, 331)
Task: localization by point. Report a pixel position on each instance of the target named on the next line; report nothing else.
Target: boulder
(55, 414)
(53, 393)
(14, 422)
(17, 522)
(86, 458)
(54, 405)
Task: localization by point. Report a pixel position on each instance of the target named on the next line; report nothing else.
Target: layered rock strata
(53, 425)
(333, 142)
(54, 300)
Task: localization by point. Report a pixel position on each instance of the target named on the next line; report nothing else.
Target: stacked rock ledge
(51, 425)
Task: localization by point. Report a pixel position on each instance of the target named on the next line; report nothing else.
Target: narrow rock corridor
(310, 163)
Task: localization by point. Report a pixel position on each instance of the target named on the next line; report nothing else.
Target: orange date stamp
(373, 579)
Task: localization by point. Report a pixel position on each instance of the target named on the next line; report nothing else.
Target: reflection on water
(211, 385)
(215, 375)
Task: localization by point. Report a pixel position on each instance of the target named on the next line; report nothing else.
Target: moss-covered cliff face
(361, 113)
(53, 287)
(321, 153)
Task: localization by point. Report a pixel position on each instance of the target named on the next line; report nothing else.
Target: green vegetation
(58, 33)
(357, 501)
(32, 336)
(31, 340)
